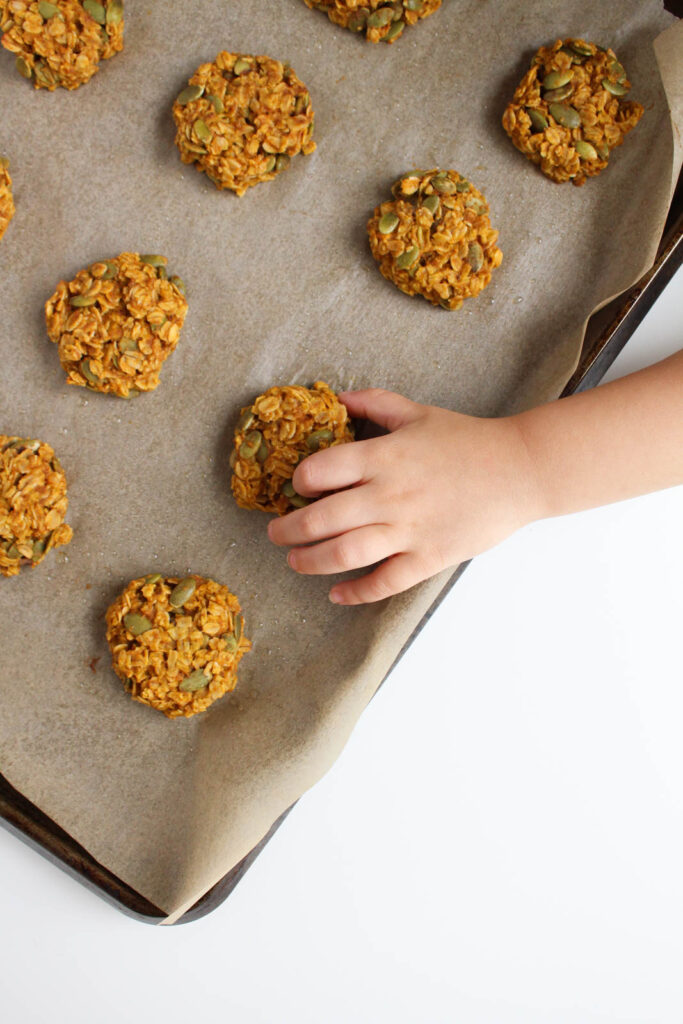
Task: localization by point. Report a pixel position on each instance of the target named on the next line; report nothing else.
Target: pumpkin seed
(153, 260)
(444, 185)
(240, 66)
(153, 577)
(556, 79)
(246, 419)
(615, 88)
(357, 21)
(202, 131)
(231, 644)
(263, 453)
(539, 123)
(178, 282)
(388, 222)
(314, 440)
(23, 68)
(380, 18)
(567, 116)
(251, 444)
(395, 31)
(575, 57)
(128, 345)
(407, 258)
(162, 274)
(412, 5)
(114, 12)
(557, 95)
(282, 162)
(216, 102)
(479, 207)
(80, 301)
(462, 185)
(270, 165)
(475, 257)
(603, 151)
(585, 150)
(431, 203)
(298, 501)
(196, 680)
(137, 624)
(47, 10)
(87, 372)
(239, 623)
(96, 11)
(182, 592)
(288, 489)
(189, 94)
(110, 273)
(12, 551)
(39, 547)
(583, 49)
(615, 68)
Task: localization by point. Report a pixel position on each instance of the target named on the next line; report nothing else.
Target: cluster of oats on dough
(33, 503)
(274, 433)
(435, 238)
(242, 118)
(176, 643)
(6, 198)
(380, 20)
(569, 110)
(60, 43)
(117, 322)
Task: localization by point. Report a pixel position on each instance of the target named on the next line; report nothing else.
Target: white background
(501, 841)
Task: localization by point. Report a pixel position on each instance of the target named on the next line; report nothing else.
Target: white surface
(513, 859)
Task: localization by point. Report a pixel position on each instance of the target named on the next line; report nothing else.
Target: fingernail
(291, 559)
(336, 597)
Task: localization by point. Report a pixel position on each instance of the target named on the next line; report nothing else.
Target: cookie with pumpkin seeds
(116, 322)
(60, 43)
(33, 503)
(176, 642)
(379, 20)
(6, 198)
(273, 434)
(435, 238)
(241, 119)
(570, 110)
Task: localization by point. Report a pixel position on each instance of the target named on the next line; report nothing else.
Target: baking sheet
(281, 288)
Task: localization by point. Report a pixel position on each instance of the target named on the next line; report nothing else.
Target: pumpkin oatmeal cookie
(176, 643)
(117, 322)
(6, 198)
(61, 43)
(33, 503)
(380, 20)
(569, 111)
(241, 119)
(273, 435)
(434, 238)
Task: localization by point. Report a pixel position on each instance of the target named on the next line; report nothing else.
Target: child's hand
(438, 489)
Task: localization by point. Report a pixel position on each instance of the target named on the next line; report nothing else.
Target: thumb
(385, 408)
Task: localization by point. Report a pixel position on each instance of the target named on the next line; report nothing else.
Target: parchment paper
(282, 288)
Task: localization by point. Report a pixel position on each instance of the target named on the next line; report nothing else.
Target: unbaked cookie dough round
(117, 322)
(569, 110)
(33, 503)
(241, 119)
(379, 20)
(61, 42)
(176, 642)
(6, 198)
(279, 429)
(434, 238)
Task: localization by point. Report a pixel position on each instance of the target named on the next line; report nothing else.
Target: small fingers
(386, 408)
(395, 575)
(331, 469)
(325, 518)
(352, 550)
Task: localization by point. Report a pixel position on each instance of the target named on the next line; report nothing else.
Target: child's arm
(442, 487)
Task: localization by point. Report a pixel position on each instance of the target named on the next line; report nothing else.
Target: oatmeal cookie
(33, 503)
(434, 238)
(273, 435)
(241, 119)
(380, 20)
(61, 43)
(117, 322)
(569, 110)
(176, 643)
(6, 198)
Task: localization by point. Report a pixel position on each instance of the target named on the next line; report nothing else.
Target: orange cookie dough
(435, 238)
(569, 110)
(241, 119)
(33, 503)
(176, 643)
(379, 20)
(117, 322)
(62, 42)
(273, 435)
(6, 198)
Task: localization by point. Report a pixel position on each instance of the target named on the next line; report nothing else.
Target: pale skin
(441, 487)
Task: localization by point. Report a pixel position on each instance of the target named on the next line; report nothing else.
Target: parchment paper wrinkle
(281, 288)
